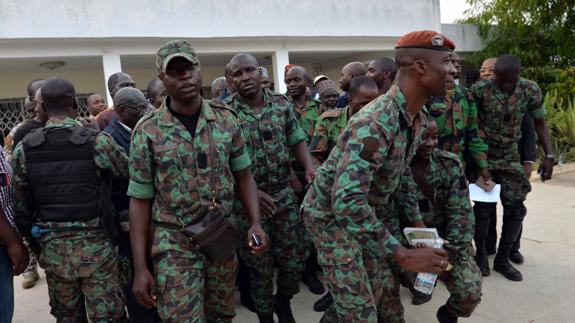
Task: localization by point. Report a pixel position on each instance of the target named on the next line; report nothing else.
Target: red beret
(427, 39)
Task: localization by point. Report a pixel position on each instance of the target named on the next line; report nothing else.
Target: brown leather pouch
(214, 236)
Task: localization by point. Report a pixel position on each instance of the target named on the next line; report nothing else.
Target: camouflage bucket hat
(175, 48)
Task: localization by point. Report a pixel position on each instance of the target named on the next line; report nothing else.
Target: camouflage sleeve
(535, 106)
(473, 141)
(406, 198)
(365, 151)
(22, 191)
(460, 219)
(239, 158)
(141, 166)
(477, 94)
(110, 156)
(319, 145)
(294, 133)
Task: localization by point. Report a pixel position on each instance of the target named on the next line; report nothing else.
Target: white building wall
(26, 19)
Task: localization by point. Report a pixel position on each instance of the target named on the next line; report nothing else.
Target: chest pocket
(168, 164)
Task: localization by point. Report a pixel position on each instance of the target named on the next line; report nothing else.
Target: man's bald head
(382, 71)
(245, 75)
(119, 80)
(296, 81)
(349, 71)
(218, 86)
(243, 57)
(487, 68)
(59, 97)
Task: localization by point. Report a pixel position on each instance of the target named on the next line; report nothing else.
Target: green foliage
(561, 123)
(540, 32)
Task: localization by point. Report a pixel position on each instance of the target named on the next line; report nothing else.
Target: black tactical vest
(62, 173)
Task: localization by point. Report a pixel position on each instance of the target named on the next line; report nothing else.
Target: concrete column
(112, 64)
(280, 58)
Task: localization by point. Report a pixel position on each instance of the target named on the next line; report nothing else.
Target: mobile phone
(256, 239)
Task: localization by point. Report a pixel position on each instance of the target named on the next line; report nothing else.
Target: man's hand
(528, 167)
(18, 253)
(143, 288)
(267, 204)
(419, 224)
(296, 185)
(309, 175)
(422, 260)
(484, 172)
(258, 231)
(547, 166)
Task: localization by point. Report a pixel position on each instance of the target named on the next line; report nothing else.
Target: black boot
(315, 286)
(482, 212)
(266, 318)
(515, 256)
(491, 241)
(323, 303)
(443, 316)
(420, 298)
(282, 308)
(512, 223)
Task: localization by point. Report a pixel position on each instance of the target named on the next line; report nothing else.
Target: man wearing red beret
(344, 206)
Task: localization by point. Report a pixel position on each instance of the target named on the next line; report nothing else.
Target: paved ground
(545, 295)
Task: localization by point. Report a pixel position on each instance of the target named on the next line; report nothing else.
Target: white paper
(477, 194)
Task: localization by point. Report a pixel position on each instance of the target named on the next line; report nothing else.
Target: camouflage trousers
(190, 289)
(514, 184)
(288, 250)
(352, 275)
(83, 287)
(464, 285)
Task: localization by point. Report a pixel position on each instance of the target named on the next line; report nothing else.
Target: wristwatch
(549, 156)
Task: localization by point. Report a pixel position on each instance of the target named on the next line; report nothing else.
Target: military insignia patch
(437, 41)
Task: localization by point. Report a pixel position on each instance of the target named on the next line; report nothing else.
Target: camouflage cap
(175, 48)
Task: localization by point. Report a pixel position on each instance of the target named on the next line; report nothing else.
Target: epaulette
(219, 104)
(331, 114)
(444, 154)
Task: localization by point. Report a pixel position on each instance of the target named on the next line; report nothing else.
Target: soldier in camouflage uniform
(362, 90)
(271, 129)
(456, 117)
(342, 209)
(502, 102)
(186, 155)
(332, 123)
(79, 259)
(307, 110)
(443, 200)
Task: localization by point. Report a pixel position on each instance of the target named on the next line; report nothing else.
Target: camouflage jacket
(443, 199)
(327, 130)
(308, 116)
(353, 186)
(500, 116)
(269, 136)
(86, 244)
(456, 117)
(176, 169)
